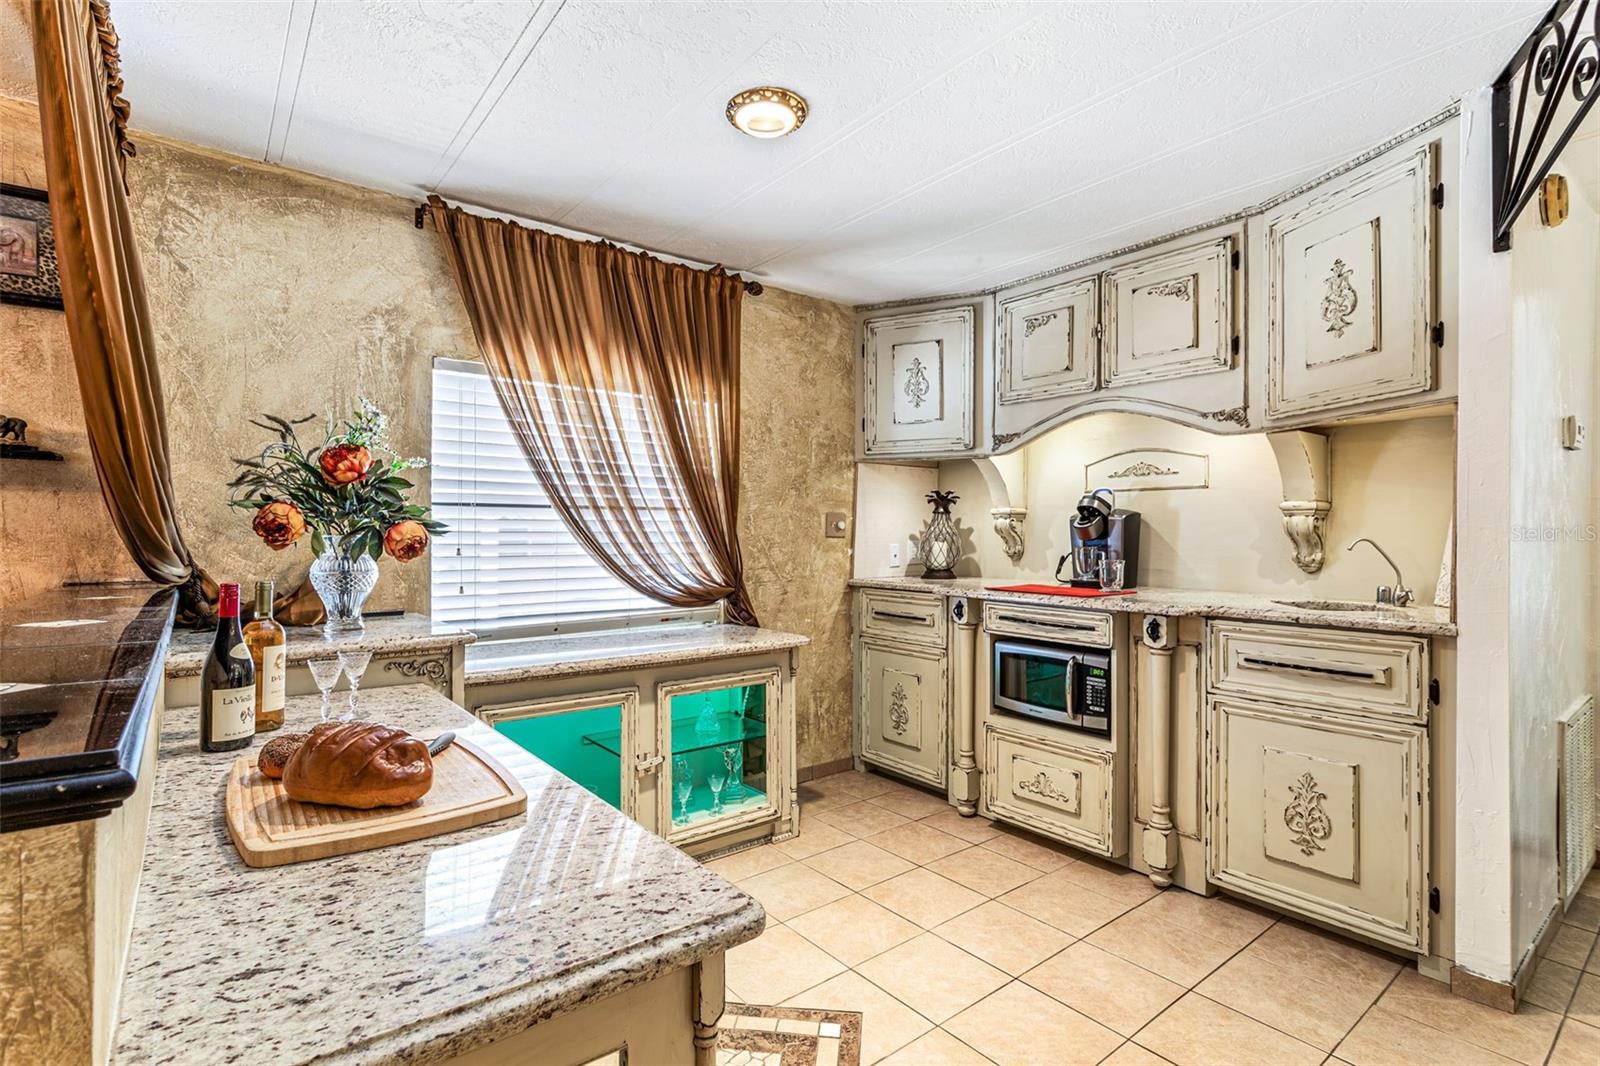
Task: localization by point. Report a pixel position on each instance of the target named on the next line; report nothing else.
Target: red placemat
(1060, 590)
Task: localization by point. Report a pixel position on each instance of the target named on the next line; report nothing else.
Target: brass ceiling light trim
(767, 111)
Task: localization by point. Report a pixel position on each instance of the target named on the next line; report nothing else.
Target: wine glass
(325, 672)
(682, 785)
(717, 778)
(354, 664)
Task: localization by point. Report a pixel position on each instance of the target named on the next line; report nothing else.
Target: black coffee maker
(1100, 532)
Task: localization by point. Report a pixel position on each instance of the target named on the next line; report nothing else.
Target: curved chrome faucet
(1399, 595)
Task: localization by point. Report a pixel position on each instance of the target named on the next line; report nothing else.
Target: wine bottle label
(233, 713)
(273, 660)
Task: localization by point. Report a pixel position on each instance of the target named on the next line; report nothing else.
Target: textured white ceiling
(950, 147)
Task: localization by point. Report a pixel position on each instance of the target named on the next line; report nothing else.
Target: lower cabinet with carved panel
(1059, 790)
(903, 708)
(1322, 813)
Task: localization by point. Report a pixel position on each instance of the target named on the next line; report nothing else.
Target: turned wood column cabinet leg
(709, 989)
(964, 778)
(1160, 840)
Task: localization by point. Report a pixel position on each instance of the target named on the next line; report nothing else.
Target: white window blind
(509, 563)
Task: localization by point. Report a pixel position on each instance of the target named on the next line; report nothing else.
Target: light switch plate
(894, 555)
(835, 524)
(1573, 433)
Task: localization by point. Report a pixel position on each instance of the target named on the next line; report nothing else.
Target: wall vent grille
(1577, 799)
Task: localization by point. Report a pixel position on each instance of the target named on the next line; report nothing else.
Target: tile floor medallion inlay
(788, 1036)
(962, 941)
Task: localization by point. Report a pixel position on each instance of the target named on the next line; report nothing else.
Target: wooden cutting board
(270, 829)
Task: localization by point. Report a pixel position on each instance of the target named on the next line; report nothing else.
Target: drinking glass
(1111, 573)
(682, 786)
(717, 778)
(325, 672)
(354, 664)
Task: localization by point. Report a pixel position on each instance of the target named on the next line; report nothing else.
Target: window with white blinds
(509, 564)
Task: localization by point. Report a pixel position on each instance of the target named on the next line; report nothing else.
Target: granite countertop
(78, 677)
(1239, 606)
(620, 649)
(384, 635)
(413, 952)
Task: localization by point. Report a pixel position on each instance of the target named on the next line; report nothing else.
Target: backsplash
(1210, 514)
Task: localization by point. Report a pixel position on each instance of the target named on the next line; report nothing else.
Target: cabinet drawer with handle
(908, 616)
(1336, 669)
(1092, 628)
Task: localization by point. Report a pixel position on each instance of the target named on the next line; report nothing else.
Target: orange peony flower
(280, 524)
(406, 540)
(344, 463)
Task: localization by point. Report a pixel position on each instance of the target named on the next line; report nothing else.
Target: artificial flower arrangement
(348, 492)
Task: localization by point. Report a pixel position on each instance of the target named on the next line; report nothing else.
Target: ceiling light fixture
(767, 111)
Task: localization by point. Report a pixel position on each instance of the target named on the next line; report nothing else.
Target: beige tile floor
(961, 941)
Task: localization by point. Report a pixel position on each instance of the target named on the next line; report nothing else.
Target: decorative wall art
(27, 249)
(1148, 468)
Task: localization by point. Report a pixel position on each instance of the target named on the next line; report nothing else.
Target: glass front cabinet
(705, 760)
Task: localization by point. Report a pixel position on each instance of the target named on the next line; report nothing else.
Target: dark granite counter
(79, 673)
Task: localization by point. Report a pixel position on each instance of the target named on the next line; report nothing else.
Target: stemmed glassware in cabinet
(733, 762)
(682, 786)
(717, 779)
(325, 672)
(354, 664)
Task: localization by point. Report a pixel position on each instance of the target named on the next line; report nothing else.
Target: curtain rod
(751, 288)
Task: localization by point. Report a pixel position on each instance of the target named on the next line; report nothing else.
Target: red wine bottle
(228, 685)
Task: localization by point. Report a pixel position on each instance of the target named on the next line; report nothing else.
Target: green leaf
(317, 545)
(375, 548)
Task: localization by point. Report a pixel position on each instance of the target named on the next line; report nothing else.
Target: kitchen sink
(1335, 605)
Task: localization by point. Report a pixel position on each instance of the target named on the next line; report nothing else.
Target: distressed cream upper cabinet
(1049, 343)
(1350, 288)
(918, 381)
(1170, 315)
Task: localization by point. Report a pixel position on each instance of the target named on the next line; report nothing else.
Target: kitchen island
(556, 936)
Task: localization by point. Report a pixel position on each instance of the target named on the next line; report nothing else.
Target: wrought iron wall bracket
(1539, 101)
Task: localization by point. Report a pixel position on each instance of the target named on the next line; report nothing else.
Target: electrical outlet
(895, 559)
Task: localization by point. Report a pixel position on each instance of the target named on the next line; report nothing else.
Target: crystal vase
(344, 580)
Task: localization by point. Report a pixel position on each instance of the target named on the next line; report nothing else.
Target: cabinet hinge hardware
(1433, 900)
(1099, 331)
(1438, 195)
(1237, 259)
(1235, 344)
(863, 425)
(1438, 334)
(1433, 692)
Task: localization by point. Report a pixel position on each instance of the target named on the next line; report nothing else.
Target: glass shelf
(686, 739)
(719, 738)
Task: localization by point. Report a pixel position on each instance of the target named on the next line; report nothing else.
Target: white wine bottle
(265, 639)
(228, 684)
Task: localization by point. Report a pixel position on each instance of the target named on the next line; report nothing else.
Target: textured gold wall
(274, 290)
(53, 527)
(797, 451)
(277, 291)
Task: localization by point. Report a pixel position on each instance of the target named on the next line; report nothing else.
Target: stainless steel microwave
(1061, 684)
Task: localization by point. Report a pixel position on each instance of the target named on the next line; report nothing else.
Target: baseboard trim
(1505, 995)
(825, 769)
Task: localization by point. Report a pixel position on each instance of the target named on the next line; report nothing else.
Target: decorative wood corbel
(1307, 499)
(1008, 525)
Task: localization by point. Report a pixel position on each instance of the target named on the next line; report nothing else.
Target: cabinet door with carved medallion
(1170, 315)
(1350, 288)
(917, 388)
(1061, 791)
(1049, 343)
(1321, 814)
(902, 702)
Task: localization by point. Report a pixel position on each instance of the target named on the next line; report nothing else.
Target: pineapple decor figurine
(941, 542)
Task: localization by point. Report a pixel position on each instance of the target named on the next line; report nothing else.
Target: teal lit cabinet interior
(717, 773)
(584, 737)
(705, 759)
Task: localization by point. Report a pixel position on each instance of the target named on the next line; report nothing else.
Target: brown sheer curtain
(84, 119)
(619, 373)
